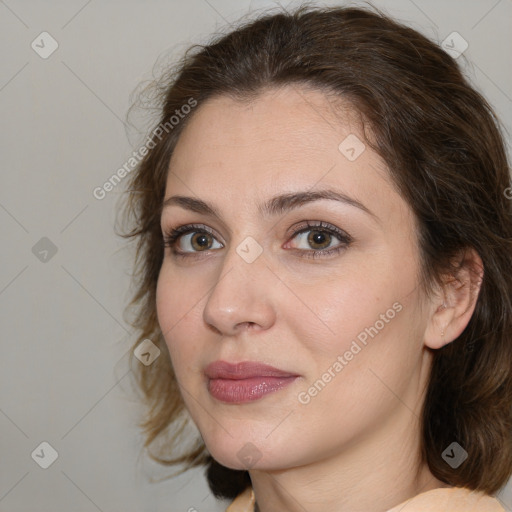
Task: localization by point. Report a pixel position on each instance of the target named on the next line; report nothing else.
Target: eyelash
(170, 239)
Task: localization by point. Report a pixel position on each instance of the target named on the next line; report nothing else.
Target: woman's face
(300, 255)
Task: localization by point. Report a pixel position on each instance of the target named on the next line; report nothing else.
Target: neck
(375, 474)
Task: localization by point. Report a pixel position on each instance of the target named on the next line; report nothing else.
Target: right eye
(190, 239)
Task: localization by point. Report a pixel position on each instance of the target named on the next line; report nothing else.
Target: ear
(454, 304)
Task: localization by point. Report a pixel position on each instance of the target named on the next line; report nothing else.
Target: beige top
(448, 499)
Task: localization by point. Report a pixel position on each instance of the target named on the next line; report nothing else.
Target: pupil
(319, 238)
(201, 241)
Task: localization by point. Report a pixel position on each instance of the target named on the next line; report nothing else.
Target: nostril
(214, 329)
(245, 325)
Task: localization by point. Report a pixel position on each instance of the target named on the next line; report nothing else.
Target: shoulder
(244, 502)
(451, 499)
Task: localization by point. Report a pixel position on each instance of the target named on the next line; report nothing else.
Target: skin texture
(354, 445)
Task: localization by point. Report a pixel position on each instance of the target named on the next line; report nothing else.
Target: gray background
(64, 374)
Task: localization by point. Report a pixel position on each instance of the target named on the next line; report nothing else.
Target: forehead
(283, 121)
(287, 139)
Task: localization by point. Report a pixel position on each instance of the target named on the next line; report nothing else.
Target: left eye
(317, 239)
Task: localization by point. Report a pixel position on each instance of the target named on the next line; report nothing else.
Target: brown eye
(190, 239)
(319, 239)
(201, 241)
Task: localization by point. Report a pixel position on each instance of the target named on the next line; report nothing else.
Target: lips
(246, 381)
(245, 370)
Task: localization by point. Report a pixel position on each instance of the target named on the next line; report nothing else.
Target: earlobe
(453, 307)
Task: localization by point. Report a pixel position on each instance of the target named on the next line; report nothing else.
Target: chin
(241, 453)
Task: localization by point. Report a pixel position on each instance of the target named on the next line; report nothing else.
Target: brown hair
(445, 153)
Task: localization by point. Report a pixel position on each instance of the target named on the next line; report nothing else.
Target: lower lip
(246, 390)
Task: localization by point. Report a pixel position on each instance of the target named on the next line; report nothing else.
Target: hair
(445, 153)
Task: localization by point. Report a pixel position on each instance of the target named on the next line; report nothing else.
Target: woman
(324, 245)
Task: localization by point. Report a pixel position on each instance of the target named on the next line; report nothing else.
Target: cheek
(177, 296)
(351, 373)
(367, 326)
(167, 306)
(378, 336)
(178, 305)
(344, 304)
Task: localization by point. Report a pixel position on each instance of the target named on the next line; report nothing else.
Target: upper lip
(243, 370)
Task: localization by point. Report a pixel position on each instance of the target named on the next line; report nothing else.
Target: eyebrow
(275, 206)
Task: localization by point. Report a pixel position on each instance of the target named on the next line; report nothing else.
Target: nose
(240, 297)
